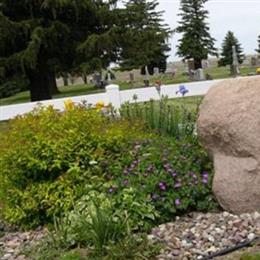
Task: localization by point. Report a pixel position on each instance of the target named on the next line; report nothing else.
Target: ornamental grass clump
(163, 117)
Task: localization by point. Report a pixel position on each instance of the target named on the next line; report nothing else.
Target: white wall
(112, 95)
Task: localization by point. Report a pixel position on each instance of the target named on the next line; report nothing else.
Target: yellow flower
(68, 104)
(100, 105)
(258, 71)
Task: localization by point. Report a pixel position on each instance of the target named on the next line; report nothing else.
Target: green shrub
(173, 177)
(98, 233)
(95, 228)
(141, 214)
(47, 158)
(13, 86)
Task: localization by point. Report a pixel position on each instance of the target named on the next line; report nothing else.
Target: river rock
(229, 128)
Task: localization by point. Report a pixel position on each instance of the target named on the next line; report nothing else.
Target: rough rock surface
(197, 236)
(229, 127)
(13, 242)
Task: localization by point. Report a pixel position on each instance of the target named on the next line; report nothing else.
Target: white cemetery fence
(112, 95)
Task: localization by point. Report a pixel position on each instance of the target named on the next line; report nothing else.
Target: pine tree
(37, 36)
(196, 42)
(44, 37)
(227, 52)
(144, 36)
(258, 41)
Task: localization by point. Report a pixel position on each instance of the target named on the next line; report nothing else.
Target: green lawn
(68, 91)
(77, 90)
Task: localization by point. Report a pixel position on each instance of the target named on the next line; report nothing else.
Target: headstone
(254, 61)
(146, 77)
(205, 64)
(109, 78)
(235, 65)
(131, 77)
(97, 80)
(156, 71)
(199, 75)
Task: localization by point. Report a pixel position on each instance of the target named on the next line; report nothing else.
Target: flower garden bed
(102, 183)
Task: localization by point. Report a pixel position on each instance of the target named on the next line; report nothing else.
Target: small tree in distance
(258, 50)
(196, 42)
(227, 53)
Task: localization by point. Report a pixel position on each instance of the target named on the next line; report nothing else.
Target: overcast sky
(240, 16)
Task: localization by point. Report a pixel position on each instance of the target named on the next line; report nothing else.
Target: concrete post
(113, 96)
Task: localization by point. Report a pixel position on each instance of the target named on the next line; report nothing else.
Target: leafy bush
(95, 227)
(47, 158)
(99, 233)
(52, 162)
(13, 86)
(173, 177)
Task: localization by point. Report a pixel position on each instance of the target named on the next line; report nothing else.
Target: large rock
(229, 127)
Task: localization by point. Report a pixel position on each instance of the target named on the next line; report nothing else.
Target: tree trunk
(53, 84)
(197, 64)
(85, 78)
(65, 80)
(40, 88)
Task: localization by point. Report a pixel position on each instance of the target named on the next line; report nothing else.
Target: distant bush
(47, 158)
(12, 87)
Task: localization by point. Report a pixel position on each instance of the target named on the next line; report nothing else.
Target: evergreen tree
(144, 36)
(37, 36)
(44, 37)
(258, 41)
(196, 42)
(227, 52)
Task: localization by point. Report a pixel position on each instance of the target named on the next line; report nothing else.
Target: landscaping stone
(187, 237)
(229, 127)
(12, 243)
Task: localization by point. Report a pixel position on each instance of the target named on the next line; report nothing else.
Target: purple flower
(205, 180)
(177, 185)
(150, 168)
(125, 182)
(192, 174)
(177, 202)
(205, 175)
(154, 196)
(182, 90)
(174, 174)
(126, 172)
(167, 166)
(163, 186)
(111, 190)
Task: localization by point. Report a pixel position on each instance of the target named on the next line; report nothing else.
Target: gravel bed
(194, 236)
(199, 235)
(12, 243)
